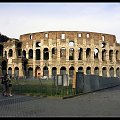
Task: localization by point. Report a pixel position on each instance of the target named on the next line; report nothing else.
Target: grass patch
(40, 88)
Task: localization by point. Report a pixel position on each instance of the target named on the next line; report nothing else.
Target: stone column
(84, 70)
(34, 56)
(107, 68)
(58, 51)
(92, 61)
(20, 70)
(84, 55)
(50, 71)
(58, 69)
(100, 71)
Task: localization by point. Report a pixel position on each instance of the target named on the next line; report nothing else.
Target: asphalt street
(104, 103)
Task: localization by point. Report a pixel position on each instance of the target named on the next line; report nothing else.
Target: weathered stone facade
(62, 52)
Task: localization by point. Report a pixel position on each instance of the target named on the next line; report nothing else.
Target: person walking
(5, 85)
(9, 86)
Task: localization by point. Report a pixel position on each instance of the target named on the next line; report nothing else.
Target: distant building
(61, 52)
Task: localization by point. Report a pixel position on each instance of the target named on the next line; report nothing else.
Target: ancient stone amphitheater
(61, 52)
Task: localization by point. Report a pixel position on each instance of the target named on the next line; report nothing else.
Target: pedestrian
(5, 85)
(9, 86)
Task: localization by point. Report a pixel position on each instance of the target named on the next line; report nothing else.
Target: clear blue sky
(22, 18)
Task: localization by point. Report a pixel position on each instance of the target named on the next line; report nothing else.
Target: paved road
(98, 104)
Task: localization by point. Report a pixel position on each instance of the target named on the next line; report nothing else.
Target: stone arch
(118, 72)
(10, 71)
(88, 53)
(54, 71)
(96, 71)
(111, 55)
(38, 44)
(37, 71)
(111, 72)
(10, 53)
(104, 55)
(37, 54)
(80, 54)
(62, 70)
(96, 52)
(5, 55)
(30, 72)
(24, 54)
(16, 72)
(88, 70)
(63, 53)
(71, 71)
(54, 53)
(71, 54)
(117, 55)
(46, 53)
(45, 71)
(4, 67)
(80, 69)
(30, 54)
(104, 72)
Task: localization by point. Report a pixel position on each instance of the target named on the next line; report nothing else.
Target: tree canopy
(3, 38)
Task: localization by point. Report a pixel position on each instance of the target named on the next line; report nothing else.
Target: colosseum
(52, 53)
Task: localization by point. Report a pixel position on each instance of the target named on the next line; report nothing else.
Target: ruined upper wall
(71, 35)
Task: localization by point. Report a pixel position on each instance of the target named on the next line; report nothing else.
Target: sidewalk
(100, 103)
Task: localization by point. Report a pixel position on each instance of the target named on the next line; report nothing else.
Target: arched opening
(88, 53)
(96, 71)
(31, 36)
(24, 53)
(63, 53)
(54, 71)
(5, 55)
(45, 71)
(117, 55)
(30, 72)
(111, 72)
(19, 45)
(30, 54)
(118, 72)
(88, 70)
(16, 72)
(71, 54)
(71, 43)
(38, 72)
(54, 53)
(24, 65)
(10, 53)
(96, 51)
(4, 67)
(111, 55)
(104, 72)
(80, 54)
(37, 54)
(103, 55)
(38, 44)
(71, 71)
(19, 52)
(10, 71)
(80, 69)
(46, 53)
(62, 70)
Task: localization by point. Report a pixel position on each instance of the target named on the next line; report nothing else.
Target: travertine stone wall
(79, 39)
